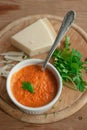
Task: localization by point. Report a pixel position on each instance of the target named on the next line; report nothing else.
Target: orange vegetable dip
(44, 83)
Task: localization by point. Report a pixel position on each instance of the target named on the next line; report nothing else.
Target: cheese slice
(35, 39)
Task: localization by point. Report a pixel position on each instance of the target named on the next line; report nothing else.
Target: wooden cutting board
(70, 100)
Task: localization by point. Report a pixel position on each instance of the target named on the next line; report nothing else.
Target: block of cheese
(36, 38)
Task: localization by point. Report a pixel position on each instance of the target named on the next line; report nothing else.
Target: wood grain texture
(54, 7)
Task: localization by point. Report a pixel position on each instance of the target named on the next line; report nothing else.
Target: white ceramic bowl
(32, 110)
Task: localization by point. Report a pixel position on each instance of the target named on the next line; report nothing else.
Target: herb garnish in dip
(33, 87)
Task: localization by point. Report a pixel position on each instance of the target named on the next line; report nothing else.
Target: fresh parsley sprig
(70, 65)
(28, 86)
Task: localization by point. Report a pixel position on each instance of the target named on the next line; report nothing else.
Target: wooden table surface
(11, 10)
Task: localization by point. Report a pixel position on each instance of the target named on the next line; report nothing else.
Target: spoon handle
(67, 21)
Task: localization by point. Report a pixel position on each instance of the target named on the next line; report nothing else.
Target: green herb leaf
(28, 86)
(70, 65)
(46, 115)
(67, 42)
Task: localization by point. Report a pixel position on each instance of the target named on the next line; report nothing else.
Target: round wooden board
(70, 101)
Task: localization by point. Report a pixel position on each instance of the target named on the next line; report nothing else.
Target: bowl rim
(40, 61)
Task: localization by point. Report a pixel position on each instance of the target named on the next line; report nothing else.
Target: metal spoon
(67, 21)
